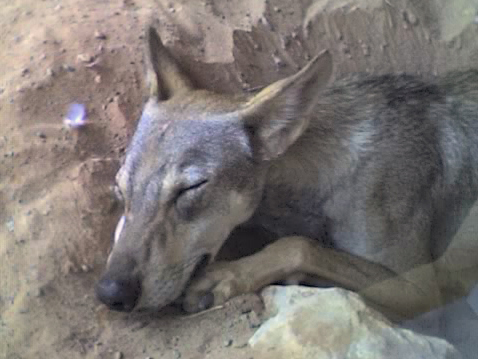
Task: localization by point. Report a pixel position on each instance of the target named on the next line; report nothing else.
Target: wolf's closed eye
(189, 188)
(186, 195)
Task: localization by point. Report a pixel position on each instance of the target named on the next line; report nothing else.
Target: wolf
(360, 180)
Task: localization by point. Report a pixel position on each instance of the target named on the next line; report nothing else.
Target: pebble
(118, 355)
(25, 71)
(410, 18)
(98, 79)
(68, 68)
(228, 343)
(41, 134)
(50, 72)
(85, 58)
(47, 211)
(254, 325)
(99, 35)
(177, 354)
(278, 61)
(85, 268)
(11, 224)
(39, 292)
(263, 20)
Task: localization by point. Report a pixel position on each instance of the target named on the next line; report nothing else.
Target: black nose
(119, 294)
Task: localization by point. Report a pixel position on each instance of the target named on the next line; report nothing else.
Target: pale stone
(335, 324)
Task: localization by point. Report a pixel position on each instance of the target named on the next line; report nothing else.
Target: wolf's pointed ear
(279, 114)
(164, 77)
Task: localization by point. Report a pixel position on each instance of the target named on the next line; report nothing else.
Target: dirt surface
(56, 213)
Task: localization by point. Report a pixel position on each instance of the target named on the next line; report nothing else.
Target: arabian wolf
(360, 180)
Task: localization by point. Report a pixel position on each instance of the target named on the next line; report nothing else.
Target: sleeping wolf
(360, 180)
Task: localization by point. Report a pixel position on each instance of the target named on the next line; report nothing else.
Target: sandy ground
(56, 213)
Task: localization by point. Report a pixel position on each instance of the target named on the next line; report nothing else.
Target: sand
(56, 213)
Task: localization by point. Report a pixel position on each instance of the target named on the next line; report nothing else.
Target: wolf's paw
(216, 285)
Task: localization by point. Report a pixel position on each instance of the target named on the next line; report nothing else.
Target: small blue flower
(76, 116)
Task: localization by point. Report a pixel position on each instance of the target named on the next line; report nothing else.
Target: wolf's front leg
(223, 280)
(288, 256)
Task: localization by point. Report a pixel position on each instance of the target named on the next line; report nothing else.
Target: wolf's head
(195, 169)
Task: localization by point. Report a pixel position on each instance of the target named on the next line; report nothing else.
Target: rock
(118, 355)
(86, 58)
(11, 225)
(99, 35)
(410, 18)
(278, 61)
(335, 323)
(41, 135)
